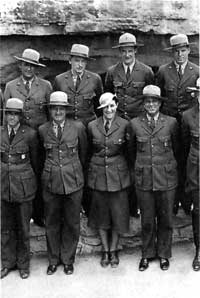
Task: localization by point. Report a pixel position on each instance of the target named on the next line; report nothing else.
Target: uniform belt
(17, 158)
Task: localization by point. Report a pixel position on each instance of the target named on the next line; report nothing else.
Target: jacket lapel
(21, 88)
(173, 73)
(114, 126)
(136, 68)
(145, 125)
(19, 135)
(159, 124)
(120, 71)
(34, 86)
(50, 132)
(84, 81)
(69, 81)
(100, 125)
(187, 73)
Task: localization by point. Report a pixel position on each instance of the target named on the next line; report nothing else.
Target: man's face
(110, 110)
(128, 55)
(58, 113)
(13, 118)
(28, 70)
(152, 106)
(78, 64)
(181, 54)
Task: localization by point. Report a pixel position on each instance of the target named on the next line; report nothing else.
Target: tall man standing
(174, 79)
(19, 151)
(83, 87)
(34, 92)
(153, 147)
(65, 143)
(190, 137)
(127, 79)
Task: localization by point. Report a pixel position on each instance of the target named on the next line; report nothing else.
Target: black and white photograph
(99, 143)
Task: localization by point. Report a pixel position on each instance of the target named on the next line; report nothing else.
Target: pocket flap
(48, 145)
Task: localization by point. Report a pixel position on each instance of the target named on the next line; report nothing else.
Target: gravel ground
(91, 281)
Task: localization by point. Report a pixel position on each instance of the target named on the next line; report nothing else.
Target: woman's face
(110, 110)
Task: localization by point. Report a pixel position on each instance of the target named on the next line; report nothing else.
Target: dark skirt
(109, 210)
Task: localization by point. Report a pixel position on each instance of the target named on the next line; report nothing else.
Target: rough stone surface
(46, 17)
(89, 242)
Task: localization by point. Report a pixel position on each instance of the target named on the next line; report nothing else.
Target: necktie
(180, 73)
(107, 126)
(128, 73)
(12, 135)
(78, 81)
(152, 123)
(27, 86)
(59, 132)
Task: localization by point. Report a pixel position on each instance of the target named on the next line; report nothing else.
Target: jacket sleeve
(175, 139)
(185, 138)
(82, 144)
(109, 87)
(150, 77)
(34, 150)
(131, 144)
(98, 91)
(159, 81)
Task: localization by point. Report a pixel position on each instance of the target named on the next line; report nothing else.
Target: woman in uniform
(109, 178)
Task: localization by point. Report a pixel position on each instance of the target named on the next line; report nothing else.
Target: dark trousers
(62, 221)
(195, 217)
(15, 240)
(156, 209)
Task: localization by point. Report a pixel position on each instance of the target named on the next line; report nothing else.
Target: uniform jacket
(128, 93)
(190, 137)
(177, 96)
(108, 166)
(18, 164)
(153, 153)
(65, 159)
(35, 112)
(85, 100)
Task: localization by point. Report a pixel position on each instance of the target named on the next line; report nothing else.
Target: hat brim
(12, 110)
(29, 61)
(80, 55)
(194, 89)
(57, 104)
(179, 46)
(144, 96)
(134, 45)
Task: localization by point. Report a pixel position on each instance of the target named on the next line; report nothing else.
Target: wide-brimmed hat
(30, 56)
(14, 105)
(105, 99)
(178, 41)
(152, 91)
(127, 40)
(197, 88)
(80, 50)
(59, 98)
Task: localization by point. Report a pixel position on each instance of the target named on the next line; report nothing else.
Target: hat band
(180, 45)
(13, 109)
(123, 44)
(152, 95)
(31, 60)
(58, 103)
(79, 54)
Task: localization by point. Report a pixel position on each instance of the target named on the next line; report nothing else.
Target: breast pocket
(142, 144)
(72, 147)
(166, 143)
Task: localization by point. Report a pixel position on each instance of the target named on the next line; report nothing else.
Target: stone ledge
(89, 242)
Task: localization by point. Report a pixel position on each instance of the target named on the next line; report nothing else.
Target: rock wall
(51, 27)
(89, 241)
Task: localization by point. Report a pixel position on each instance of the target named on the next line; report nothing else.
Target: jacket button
(106, 166)
(61, 166)
(27, 118)
(9, 156)
(75, 117)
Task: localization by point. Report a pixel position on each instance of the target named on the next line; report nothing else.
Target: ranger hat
(14, 105)
(178, 41)
(127, 40)
(58, 98)
(197, 88)
(105, 99)
(151, 91)
(30, 56)
(80, 50)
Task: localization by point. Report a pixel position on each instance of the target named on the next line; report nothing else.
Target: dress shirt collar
(30, 81)
(55, 125)
(182, 66)
(155, 117)
(15, 128)
(74, 75)
(130, 66)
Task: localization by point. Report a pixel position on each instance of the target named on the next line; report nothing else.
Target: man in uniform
(65, 143)
(19, 150)
(127, 79)
(34, 92)
(82, 86)
(174, 79)
(83, 89)
(190, 139)
(153, 147)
